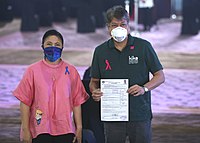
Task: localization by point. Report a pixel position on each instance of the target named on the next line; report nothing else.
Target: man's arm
(94, 84)
(95, 89)
(157, 79)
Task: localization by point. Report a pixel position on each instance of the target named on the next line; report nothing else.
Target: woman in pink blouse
(51, 94)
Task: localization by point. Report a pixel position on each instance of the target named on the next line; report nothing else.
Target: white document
(115, 100)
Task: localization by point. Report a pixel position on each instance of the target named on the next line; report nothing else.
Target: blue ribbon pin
(67, 70)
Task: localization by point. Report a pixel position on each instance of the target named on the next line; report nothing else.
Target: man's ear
(108, 29)
(128, 29)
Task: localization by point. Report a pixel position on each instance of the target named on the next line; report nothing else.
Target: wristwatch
(145, 88)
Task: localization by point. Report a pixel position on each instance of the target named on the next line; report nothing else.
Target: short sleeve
(79, 95)
(24, 90)
(152, 60)
(95, 71)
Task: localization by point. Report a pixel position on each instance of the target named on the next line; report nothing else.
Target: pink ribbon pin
(132, 47)
(108, 67)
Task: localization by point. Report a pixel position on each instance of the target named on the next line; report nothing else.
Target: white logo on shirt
(133, 60)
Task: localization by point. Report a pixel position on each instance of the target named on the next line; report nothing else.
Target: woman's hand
(27, 138)
(78, 136)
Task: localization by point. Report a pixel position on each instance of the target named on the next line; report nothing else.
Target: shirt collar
(52, 66)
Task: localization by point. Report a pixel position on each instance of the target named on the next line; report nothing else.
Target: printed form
(115, 100)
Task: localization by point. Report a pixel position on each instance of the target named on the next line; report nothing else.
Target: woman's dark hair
(118, 12)
(50, 33)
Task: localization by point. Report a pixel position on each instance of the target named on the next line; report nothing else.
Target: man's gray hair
(118, 12)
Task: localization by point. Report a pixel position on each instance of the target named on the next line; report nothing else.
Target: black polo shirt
(134, 62)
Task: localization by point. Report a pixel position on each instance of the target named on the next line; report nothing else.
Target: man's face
(116, 23)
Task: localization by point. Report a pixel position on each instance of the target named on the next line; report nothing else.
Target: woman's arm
(78, 123)
(25, 115)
